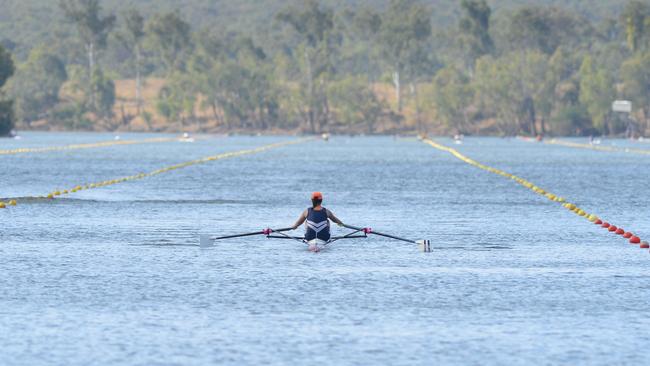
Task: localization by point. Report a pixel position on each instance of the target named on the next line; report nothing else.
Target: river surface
(114, 275)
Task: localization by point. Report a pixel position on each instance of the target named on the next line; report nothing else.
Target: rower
(317, 218)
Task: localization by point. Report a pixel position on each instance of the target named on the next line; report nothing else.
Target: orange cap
(317, 196)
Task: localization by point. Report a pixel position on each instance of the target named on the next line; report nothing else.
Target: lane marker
(207, 159)
(577, 145)
(87, 146)
(633, 239)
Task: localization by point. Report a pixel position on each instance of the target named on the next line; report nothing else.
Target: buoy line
(207, 159)
(633, 239)
(596, 147)
(87, 146)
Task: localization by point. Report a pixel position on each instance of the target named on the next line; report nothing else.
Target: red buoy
(627, 235)
(598, 222)
(620, 231)
(612, 228)
(645, 245)
(605, 225)
(635, 240)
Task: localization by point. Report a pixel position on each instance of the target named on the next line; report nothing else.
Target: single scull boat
(315, 245)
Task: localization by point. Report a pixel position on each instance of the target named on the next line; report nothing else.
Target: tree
(131, 38)
(235, 79)
(596, 94)
(355, 104)
(93, 30)
(177, 100)
(104, 89)
(406, 26)
(364, 28)
(452, 96)
(493, 86)
(474, 30)
(315, 27)
(170, 38)
(511, 87)
(635, 73)
(545, 29)
(36, 85)
(636, 20)
(6, 106)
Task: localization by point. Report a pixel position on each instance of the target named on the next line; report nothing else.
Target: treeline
(531, 70)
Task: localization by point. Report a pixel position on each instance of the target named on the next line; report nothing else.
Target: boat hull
(316, 245)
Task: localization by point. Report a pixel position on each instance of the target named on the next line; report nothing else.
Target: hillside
(24, 23)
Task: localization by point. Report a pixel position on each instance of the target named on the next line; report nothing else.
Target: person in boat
(317, 219)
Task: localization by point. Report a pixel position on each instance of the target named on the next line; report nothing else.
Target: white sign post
(622, 106)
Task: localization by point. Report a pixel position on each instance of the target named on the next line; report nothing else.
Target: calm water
(114, 276)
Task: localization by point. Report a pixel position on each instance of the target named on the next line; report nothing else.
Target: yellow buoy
(2, 205)
(12, 203)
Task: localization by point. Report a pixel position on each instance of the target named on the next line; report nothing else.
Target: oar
(425, 245)
(207, 241)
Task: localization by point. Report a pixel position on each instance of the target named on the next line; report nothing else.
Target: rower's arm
(335, 219)
(301, 219)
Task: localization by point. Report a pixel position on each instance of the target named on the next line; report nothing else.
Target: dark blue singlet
(318, 226)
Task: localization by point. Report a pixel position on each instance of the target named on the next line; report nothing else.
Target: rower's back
(318, 225)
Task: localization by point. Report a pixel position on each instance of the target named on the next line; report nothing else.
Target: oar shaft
(393, 237)
(250, 234)
(380, 234)
(238, 235)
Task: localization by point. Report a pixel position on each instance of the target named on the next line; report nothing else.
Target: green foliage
(85, 14)
(405, 28)
(177, 99)
(36, 85)
(355, 103)
(545, 29)
(170, 39)
(469, 66)
(104, 89)
(474, 29)
(636, 18)
(596, 94)
(635, 73)
(6, 106)
(512, 87)
(6, 117)
(314, 26)
(453, 96)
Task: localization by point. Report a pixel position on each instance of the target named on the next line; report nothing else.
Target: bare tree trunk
(90, 48)
(418, 120)
(326, 113)
(310, 91)
(125, 120)
(398, 90)
(138, 82)
(214, 112)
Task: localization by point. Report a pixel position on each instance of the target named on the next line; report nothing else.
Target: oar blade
(206, 241)
(424, 245)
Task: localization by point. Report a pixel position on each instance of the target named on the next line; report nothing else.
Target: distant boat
(186, 138)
